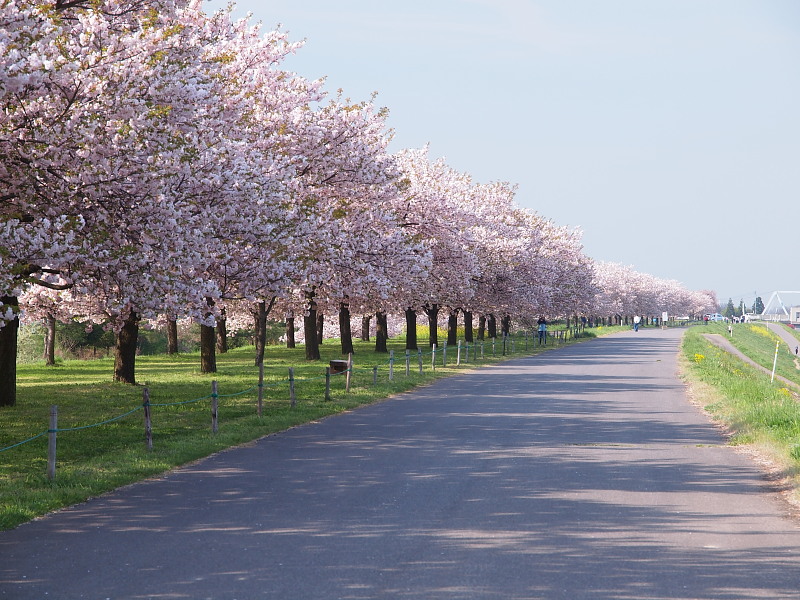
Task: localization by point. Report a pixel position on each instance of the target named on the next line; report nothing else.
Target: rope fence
(465, 353)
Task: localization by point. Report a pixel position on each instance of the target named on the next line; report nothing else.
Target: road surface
(580, 473)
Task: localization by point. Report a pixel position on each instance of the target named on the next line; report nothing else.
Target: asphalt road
(580, 473)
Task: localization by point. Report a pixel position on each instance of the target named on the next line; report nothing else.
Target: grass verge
(761, 415)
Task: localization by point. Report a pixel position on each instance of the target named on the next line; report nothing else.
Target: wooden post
(260, 388)
(148, 424)
(349, 372)
(493, 346)
(374, 375)
(419, 359)
(214, 407)
(391, 365)
(327, 384)
(51, 446)
(292, 399)
(444, 355)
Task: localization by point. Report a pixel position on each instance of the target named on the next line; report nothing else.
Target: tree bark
(290, 342)
(8, 354)
(365, 327)
(208, 356)
(320, 327)
(310, 328)
(468, 333)
(261, 330)
(172, 336)
(345, 331)
(482, 327)
(505, 324)
(50, 341)
(381, 332)
(491, 326)
(411, 329)
(222, 333)
(432, 311)
(125, 350)
(452, 328)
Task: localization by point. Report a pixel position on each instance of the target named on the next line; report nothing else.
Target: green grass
(95, 459)
(757, 412)
(758, 342)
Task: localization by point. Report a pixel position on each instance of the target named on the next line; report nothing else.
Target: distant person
(542, 330)
(705, 319)
(636, 320)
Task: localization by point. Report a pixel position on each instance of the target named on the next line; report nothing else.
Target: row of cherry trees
(158, 162)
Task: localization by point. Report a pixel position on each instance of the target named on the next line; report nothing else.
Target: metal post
(260, 388)
(775, 362)
(51, 445)
(292, 398)
(408, 363)
(391, 365)
(327, 384)
(349, 372)
(419, 359)
(458, 354)
(148, 425)
(214, 407)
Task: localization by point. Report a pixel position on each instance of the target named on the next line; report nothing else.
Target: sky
(668, 131)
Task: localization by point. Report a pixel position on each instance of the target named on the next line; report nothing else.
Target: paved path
(580, 473)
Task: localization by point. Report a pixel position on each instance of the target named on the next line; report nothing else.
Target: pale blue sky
(668, 130)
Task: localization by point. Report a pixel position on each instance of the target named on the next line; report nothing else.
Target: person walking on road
(636, 320)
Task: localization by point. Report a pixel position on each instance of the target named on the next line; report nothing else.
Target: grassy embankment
(96, 459)
(758, 413)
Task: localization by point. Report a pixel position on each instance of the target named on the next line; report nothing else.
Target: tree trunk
(8, 354)
(310, 329)
(433, 324)
(468, 333)
(222, 333)
(491, 326)
(365, 327)
(482, 327)
(261, 331)
(452, 328)
(50, 341)
(290, 343)
(411, 329)
(345, 332)
(125, 350)
(381, 332)
(172, 336)
(505, 324)
(208, 356)
(320, 327)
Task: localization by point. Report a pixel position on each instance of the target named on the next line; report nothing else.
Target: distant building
(782, 307)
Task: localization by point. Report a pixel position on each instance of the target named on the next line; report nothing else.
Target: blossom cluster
(156, 160)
